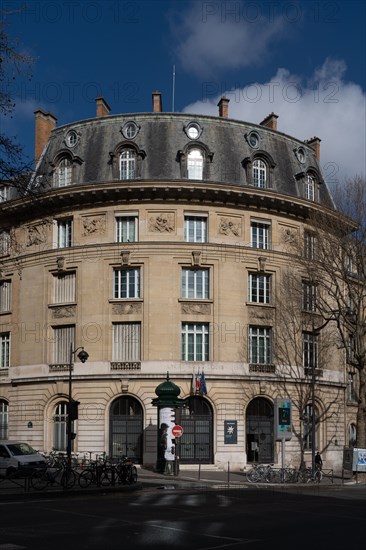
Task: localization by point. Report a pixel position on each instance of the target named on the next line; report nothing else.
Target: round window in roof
(253, 139)
(301, 155)
(72, 138)
(193, 130)
(130, 130)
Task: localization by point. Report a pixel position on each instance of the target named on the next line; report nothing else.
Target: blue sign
(230, 432)
(283, 419)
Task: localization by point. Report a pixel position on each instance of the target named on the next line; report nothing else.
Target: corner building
(156, 240)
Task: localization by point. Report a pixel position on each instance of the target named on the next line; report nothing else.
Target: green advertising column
(167, 402)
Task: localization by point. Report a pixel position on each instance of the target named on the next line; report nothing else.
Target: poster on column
(166, 423)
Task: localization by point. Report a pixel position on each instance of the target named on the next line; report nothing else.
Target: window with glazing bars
(127, 283)
(259, 288)
(63, 174)
(195, 342)
(4, 419)
(127, 164)
(126, 229)
(4, 242)
(64, 233)
(259, 173)
(5, 296)
(309, 188)
(260, 345)
(195, 283)
(260, 235)
(309, 245)
(309, 296)
(310, 350)
(195, 229)
(60, 427)
(5, 350)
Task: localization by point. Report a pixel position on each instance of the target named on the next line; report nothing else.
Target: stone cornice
(205, 193)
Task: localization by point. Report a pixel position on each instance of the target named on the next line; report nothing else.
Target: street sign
(177, 431)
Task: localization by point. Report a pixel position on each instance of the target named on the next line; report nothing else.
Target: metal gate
(126, 429)
(259, 431)
(196, 445)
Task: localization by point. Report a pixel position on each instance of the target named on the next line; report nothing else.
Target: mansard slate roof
(161, 142)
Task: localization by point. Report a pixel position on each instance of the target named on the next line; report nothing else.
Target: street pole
(69, 421)
(83, 356)
(313, 424)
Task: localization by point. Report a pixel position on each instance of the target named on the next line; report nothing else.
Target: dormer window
(309, 187)
(63, 173)
(259, 173)
(127, 164)
(195, 164)
(259, 170)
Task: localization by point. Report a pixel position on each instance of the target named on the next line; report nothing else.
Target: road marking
(9, 546)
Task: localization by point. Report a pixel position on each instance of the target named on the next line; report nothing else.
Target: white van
(17, 456)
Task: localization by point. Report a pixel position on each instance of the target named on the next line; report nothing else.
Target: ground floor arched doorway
(196, 443)
(259, 431)
(126, 428)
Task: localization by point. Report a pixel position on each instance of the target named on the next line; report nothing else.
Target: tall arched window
(195, 164)
(259, 431)
(4, 419)
(352, 435)
(63, 173)
(60, 426)
(127, 164)
(126, 428)
(196, 444)
(259, 173)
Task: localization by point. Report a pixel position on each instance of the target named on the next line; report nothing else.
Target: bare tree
(339, 269)
(301, 352)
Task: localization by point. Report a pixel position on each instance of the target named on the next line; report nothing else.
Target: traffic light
(73, 409)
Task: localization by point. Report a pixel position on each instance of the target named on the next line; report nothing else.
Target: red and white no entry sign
(177, 431)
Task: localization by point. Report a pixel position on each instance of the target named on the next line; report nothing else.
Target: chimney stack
(223, 106)
(157, 102)
(314, 143)
(103, 109)
(44, 124)
(270, 121)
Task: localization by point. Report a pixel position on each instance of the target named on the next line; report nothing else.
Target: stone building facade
(156, 241)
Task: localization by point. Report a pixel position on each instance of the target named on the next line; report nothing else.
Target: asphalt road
(156, 518)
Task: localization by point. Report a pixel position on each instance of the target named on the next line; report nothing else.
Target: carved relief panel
(161, 222)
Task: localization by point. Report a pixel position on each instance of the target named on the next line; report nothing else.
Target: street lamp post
(83, 356)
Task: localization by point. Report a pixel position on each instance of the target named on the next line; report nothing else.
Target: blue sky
(303, 60)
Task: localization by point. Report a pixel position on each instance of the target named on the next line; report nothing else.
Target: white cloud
(216, 35)
(325, 106)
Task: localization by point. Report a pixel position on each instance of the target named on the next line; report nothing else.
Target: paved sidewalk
(203, 479)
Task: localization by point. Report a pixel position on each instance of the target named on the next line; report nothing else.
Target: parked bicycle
(95, 472)
(260, 473)
(306, 475)
(61, 474)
